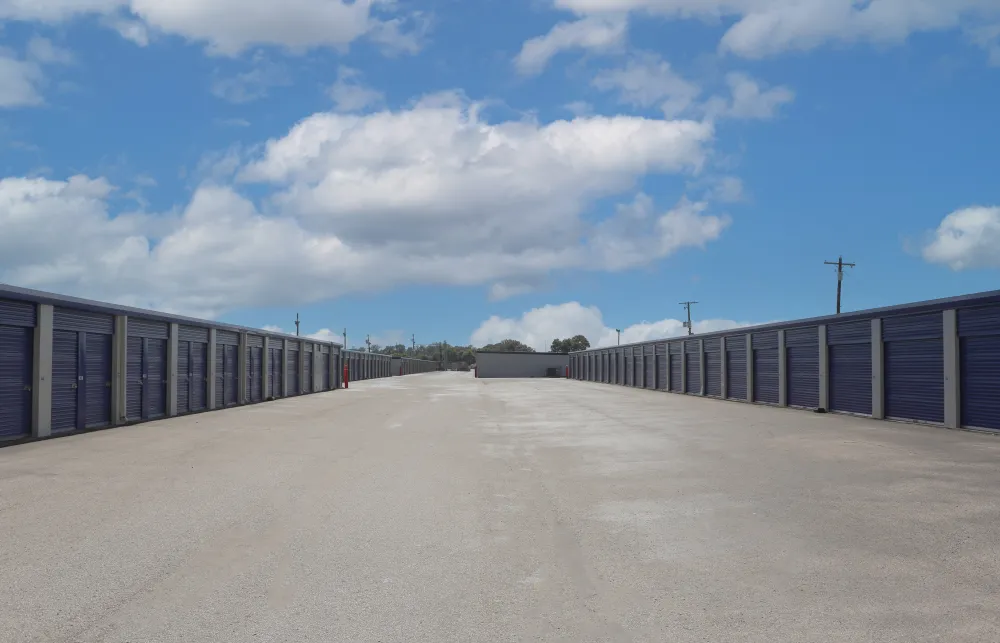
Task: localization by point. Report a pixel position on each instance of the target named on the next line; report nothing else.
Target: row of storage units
(69, 365)
(934, 362)
(411, 366)
(362, 365)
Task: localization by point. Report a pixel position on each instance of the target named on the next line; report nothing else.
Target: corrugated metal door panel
(307, 376)
(637, 362)
(325, 366)
(736, 370)
(97, 380)
(133, 384)
(676, 369)
(293, 372)
(913, 327)
(979, 321)
(220, 376)
(17, 313)
(803, 375)
(856, 332)
(183, 376)
(802, 366)
(147, 328)
(257, 370)
(65, 380)
(256, 341)
(765, 340)
(980, 379)
(628, 369)
(650, 381)
(71, 319)
(232, 375)
(713, 372)
(192, 334)
(227, 337)
(16, 354)
(199, 376)
(661, 371)
(693, 383)
(765, 374)
(914, 380)
(156, 377)
(851, 377)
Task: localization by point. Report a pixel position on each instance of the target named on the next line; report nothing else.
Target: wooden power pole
(840, 276)
(687, 324)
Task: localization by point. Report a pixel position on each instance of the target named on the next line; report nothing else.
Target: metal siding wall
(802, 359)
(192, 334)
(138, 327)
(71, 319)
(979, 365)
(156, 377)
(18, 313)
(65, 380)
(736, 367)
(16, 376)
(97, 380)
(227, 337)
(765, 367)
(914, 367)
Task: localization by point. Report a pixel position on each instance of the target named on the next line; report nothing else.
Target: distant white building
(515, 364)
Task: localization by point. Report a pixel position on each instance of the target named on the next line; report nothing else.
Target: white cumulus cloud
(592, 33)
(967, 238)
(539, 326)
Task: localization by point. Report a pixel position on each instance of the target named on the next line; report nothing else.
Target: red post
(567, 372)
(346, 378)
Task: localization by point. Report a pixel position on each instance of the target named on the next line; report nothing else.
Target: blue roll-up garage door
(637, 366)
(226, 368)
(232, 375)
(192, 369)
(628, 367)
(17, 322)
(713, 367)
(81, 369)
(661, 367)
(293, 368)
(307, 371)
(736, 367)
(765, 367)
(850, 364)
(325, 369)
(146, 369)
(199, 376)
(979, 358)
(183, 377)
(156, 377)
(274, 371)
(802, 360)
(649, 356)
(914, 367)
(692, 359)
(676, 366)
(255, 368)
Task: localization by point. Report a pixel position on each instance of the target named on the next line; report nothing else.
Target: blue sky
(488, 169)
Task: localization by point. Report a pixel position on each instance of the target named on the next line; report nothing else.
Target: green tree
(571, 344)
(507, 345)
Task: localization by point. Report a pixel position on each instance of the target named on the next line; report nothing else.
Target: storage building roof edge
(17, 293)
(988, 297)
(521, 352)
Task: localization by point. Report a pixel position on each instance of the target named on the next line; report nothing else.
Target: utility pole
(687, 324)
(619, 331)
(345, 338)
(413, 343)
(840, 276)
(296, 324)
(368, 342)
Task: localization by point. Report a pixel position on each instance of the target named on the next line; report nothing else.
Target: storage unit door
(693, 382)
(134, 398)
(232, 375)
(713, 373)
(325, 368)
(765, 368)
(97, 379)
(307, 376)
(16, 352)
(661, 371)
(257, 373)
(802, 367)
(736, 368)
(850, 363)
(183, 377)
(637, 370)
(220, 376)
(979, 359)
(293, 372)
(628, 370)
(66, 380)
(914, 367)
(156, 377)
(199, 376)
(675, 372)
(650, 371)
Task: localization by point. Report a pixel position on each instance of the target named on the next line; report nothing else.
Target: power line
(687, 324)
(840, 276)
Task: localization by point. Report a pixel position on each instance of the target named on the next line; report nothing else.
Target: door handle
(74, 386)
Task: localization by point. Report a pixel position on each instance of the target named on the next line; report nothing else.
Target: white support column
(702, 371)
(172, 371)
(749, 367)
(212, 366)
(782, 370)
(41, 381)
(878, 370)
(243, 397)
(684, 367)
(284, 368)
(724, 369)
(824, 370)
(952, 381)
(119, 371)
(265, 368)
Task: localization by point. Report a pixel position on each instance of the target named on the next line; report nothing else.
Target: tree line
(450, 354)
